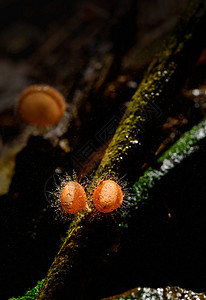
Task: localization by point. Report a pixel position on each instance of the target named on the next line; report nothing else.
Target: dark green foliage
(30, 294)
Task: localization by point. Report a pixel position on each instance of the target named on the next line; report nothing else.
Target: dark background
(95, 53)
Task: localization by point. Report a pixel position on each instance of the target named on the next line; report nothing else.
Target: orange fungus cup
(107, 196)
(73, 198)
(41, 105)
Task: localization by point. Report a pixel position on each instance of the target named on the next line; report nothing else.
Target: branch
(188, 144)
(165, 74)
(168, 292)
(163, 79)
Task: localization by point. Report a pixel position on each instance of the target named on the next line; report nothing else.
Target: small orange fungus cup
(73, 198)
(107, 196)
(41, 105)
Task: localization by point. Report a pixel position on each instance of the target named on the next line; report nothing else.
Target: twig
(161, 78)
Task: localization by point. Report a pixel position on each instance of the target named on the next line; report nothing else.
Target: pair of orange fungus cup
(107, 197)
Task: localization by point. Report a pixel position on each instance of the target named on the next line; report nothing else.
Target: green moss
(185, 146)
(30, 294)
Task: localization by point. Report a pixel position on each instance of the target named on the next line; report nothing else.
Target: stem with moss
(182, 149)
(162, 80)
(164, 75)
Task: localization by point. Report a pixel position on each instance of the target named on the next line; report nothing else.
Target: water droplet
(134, 142)
(196, 92)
